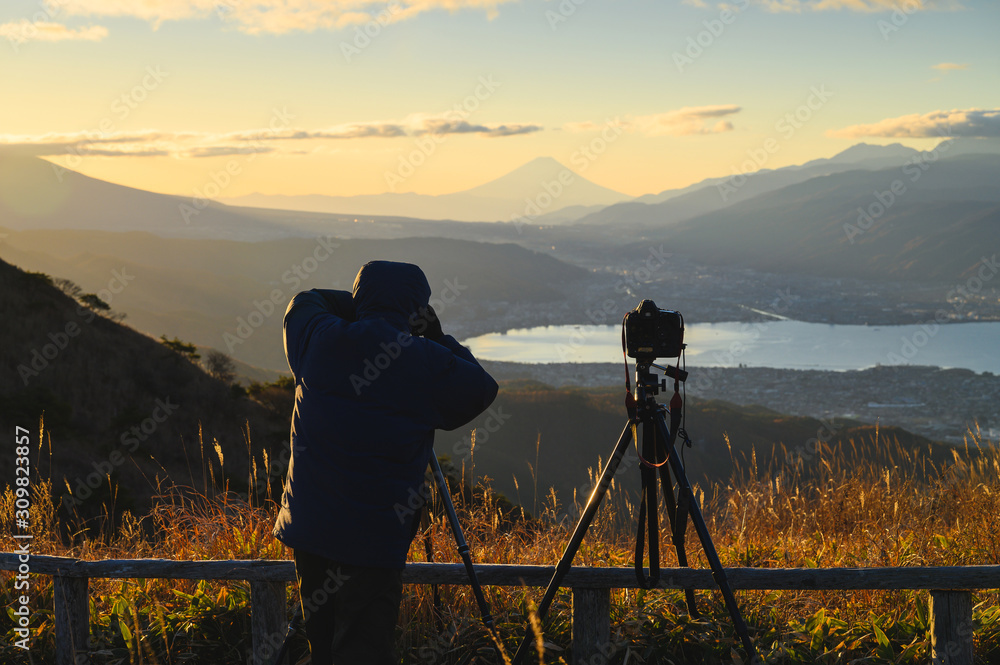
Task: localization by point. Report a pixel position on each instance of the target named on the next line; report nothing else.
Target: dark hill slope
(94, 380)
(198, 290)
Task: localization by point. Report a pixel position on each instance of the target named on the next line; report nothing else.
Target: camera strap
(630, 407)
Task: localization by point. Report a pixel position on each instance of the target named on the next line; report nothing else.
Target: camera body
(651, 332)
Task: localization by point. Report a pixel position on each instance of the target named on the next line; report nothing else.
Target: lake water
(782, 344)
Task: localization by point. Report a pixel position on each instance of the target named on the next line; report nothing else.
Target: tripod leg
(293, 627)
(463, 547)
(718, 572)
(425, 523)
(649, 445)
(566, 561)
(677, 511)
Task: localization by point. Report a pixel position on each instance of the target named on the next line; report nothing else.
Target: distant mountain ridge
(544, 183)
(672, 206)
(928, 220)
(35, 194)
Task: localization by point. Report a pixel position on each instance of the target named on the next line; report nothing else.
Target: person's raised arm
(306, 311)
(461, 389)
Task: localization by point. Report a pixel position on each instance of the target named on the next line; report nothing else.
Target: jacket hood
(391, 291)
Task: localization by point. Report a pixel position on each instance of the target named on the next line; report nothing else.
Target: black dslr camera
(651, 332)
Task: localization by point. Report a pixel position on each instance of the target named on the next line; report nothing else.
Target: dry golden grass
(893, 509)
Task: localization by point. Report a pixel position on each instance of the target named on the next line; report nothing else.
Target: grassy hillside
(120, 408)
(535, 439)
(861, 513)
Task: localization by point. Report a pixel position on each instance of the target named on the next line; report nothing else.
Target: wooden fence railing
(951, 605)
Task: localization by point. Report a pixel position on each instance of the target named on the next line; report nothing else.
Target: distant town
(943, 405)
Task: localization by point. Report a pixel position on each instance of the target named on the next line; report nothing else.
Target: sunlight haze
(331, 98)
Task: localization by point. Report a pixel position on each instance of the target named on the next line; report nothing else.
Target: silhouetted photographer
(374, 377)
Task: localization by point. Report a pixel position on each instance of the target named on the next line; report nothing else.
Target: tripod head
(648, 383)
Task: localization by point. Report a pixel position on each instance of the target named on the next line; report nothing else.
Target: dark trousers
(349, 612)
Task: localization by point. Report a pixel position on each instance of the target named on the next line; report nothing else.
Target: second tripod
(658, 450)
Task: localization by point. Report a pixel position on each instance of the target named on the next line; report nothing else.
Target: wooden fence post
(591, 625)
(71, 603)
(951, 627)
(268, 619)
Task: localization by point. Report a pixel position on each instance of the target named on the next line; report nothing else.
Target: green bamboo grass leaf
(883, 641)
(126, 633)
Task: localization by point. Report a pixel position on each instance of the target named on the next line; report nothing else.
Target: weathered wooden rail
(950, 590)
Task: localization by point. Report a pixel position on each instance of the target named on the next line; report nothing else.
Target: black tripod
(463, 550)
(657, 444)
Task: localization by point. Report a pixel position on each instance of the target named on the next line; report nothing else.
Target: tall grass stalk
(890, 508)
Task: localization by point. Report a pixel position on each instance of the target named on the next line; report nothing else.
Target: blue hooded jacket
(368, 397)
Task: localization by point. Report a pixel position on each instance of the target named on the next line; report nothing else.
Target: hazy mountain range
(542, 185)
(927, 221)
(928, 217)
(536, 191)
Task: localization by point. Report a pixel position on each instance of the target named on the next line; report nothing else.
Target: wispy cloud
(274, 16)
(864, 6)
(152, 143)
(936, 124)
(685, 121)
(948, 66)
(46, 31)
